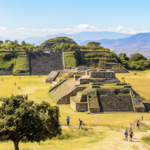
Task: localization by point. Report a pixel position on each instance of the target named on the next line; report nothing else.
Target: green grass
(140, 82)
(22, 65)
(7, 60)
(71, 139)
(37, 90)
(146, 139)
(70, 59)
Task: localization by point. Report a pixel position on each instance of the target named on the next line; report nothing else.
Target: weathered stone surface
(52, 76)
(78, 106)
(81, 97)
(5, 72)
(147, 105)
(44, 63)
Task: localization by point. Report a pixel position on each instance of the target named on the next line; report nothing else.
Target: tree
(66, 46)
(74, 47)
(23, 120)
(23, 43)
(136, 57)
(94, 45)
(7, 41)
(1, 42)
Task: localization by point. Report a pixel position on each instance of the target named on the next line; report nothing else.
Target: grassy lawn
(37, 90)
(140, 82)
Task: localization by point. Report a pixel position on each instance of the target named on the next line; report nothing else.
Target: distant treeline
(135, 62)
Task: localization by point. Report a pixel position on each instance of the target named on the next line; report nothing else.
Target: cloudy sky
(28, 18)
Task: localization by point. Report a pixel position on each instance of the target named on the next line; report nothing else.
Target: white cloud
(23, 32)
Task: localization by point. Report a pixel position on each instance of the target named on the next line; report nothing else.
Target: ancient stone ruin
(98, 91)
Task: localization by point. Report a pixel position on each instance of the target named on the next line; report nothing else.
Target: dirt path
(115, 140)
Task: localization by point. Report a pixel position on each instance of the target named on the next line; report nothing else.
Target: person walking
(80, 124)
(131, 134)
(2, 79)
(142, 117)
(138, 125)
(68, 121)
(126, 134)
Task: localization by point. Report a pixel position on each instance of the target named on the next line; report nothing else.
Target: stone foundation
(78, 106)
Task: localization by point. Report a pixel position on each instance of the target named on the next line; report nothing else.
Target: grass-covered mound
(102, 59)
(50, 42)
(22, 65)
(7, 60)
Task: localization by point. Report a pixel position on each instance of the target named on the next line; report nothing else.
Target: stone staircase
(44, 63)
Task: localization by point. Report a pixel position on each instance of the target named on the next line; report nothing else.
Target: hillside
(101, 59)
(136, 43)
(50, 42)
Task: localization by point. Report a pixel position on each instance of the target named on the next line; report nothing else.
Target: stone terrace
(44, 63)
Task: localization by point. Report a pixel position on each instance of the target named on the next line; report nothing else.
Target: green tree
(1, 42)
(7, 41)
(94, 45)
(66, 46)
(23, 120)
(23, 43)
(136, 57)
(74, 47)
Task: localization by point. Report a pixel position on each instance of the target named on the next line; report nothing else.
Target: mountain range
(118, 42)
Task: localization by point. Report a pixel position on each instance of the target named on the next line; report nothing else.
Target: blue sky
(24, 18)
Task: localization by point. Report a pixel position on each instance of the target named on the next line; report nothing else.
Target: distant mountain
(79, 37)
(135, 43)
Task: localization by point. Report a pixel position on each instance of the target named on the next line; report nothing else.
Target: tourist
(80, 124)
(126, 134)
(60, 126)
(131, 134)
(2, 79)
(68, 121)
(138, 125)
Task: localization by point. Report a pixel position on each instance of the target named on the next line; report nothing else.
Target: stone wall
(94, 110)
(78, 106)
(68, 67)
(44, 63)
(81, 97)
(115, 99)
(54, 87)
(147, 105)
(84, 81)
(102, 80)
(5, 72)
(52, 76)
(66, 99)
(137, 101)
(102, 74)
(112, 102)
(76, 77)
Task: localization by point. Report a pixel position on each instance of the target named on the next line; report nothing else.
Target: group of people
(131, 131)
(68, 122)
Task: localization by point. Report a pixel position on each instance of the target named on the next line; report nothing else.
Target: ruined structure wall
(116, 103)
(102, 74)
(66, 98)
(147, 106)
(44, 63)
(5, 72)
(78, 106)
(81, 97)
